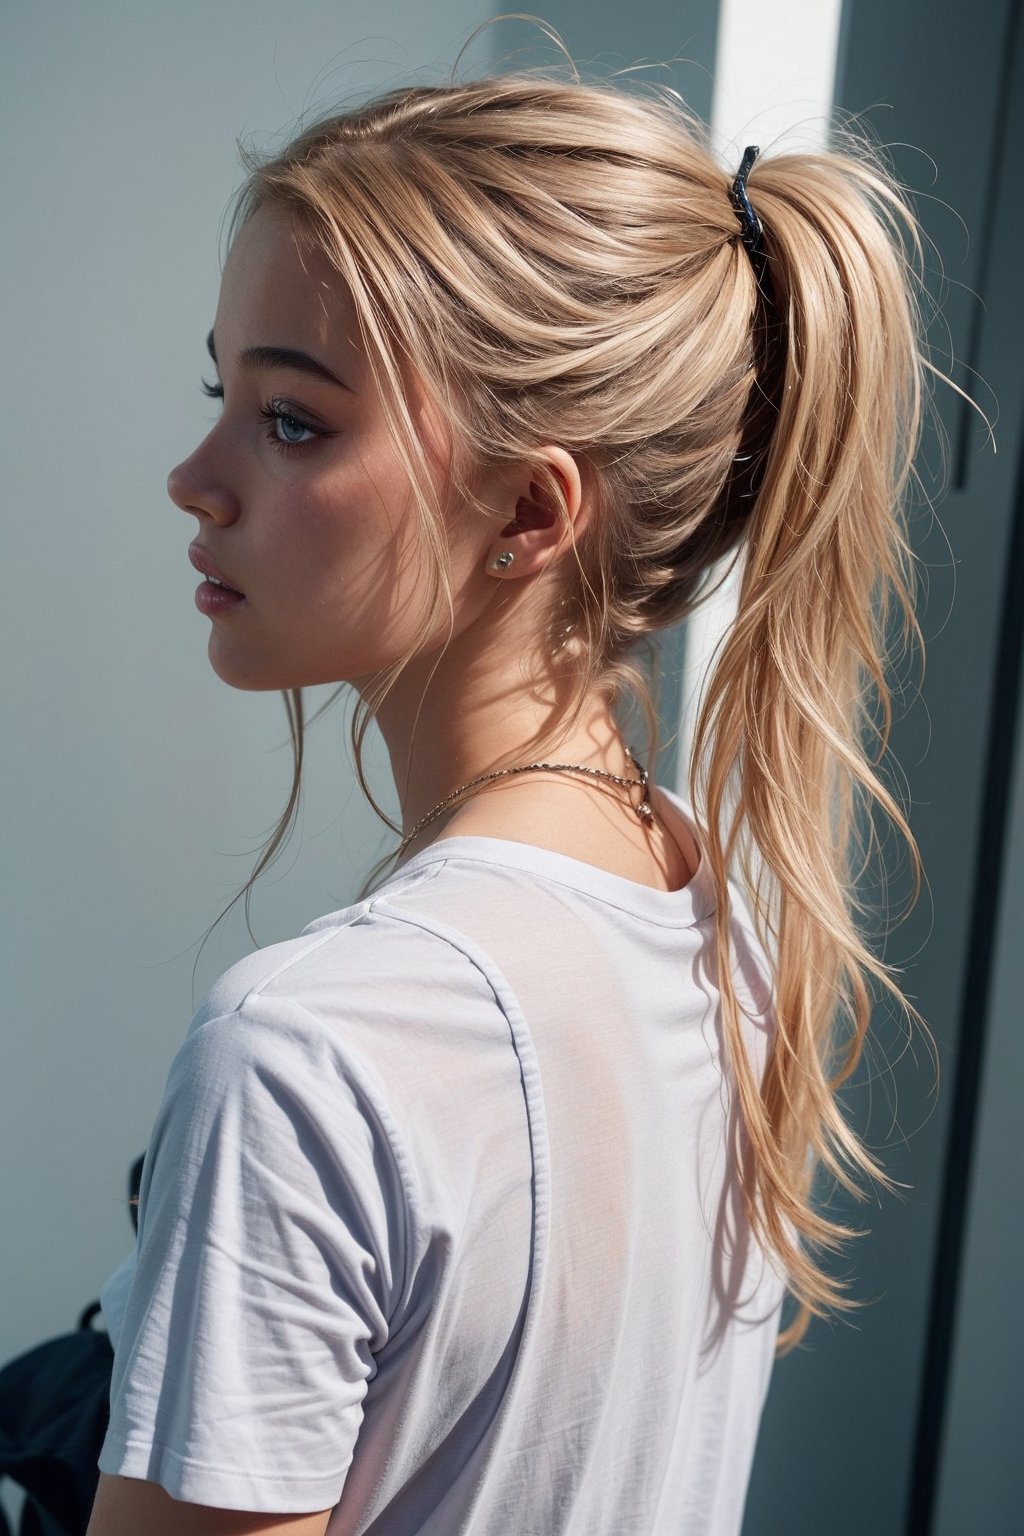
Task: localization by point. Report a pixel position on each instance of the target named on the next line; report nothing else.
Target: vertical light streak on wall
(775, 68)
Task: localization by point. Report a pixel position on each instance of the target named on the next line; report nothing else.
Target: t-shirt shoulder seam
(312, 942)
(309, 943)
(533, 1094)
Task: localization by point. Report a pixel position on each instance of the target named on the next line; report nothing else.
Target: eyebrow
(263, 358)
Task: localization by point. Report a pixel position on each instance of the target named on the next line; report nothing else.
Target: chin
(253, 669)
(251, 674)
(245, 673)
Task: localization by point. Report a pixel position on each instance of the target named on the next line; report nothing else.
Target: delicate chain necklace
(643, 810)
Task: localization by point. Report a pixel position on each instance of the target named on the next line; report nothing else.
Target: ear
(536, 532)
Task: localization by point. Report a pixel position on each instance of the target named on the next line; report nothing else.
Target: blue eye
(285, 430)
(286, 426)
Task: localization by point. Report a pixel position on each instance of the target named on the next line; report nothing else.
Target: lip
(205, 566)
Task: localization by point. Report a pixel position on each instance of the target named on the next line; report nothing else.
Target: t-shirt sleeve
(268, 1261)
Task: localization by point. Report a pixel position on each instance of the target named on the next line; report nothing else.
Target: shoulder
(368, 1060)
(385, 954)
(381, 999)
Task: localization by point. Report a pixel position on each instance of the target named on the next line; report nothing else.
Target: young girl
(472, 1208)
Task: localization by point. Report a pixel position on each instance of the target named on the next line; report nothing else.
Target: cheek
(351, 583)
(348, 546)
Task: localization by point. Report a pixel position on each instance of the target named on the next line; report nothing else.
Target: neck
(443, 731)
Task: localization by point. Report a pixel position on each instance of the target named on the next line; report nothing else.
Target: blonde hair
(560, 262)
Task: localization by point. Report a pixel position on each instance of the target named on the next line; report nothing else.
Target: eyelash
(273, 413)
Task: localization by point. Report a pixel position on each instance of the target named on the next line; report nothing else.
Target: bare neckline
(682, 906)
(685, 824)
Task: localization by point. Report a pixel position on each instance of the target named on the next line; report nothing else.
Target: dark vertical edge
(842, 47)
(1000, 182)
(971, 1035)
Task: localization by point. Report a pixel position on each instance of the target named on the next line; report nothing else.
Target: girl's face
(303, 504)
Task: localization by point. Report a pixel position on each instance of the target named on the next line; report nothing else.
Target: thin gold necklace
(644, 810)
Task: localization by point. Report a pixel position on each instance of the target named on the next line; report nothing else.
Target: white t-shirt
(439, 1222)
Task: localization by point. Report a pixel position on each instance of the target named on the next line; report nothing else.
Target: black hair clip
(750, 224)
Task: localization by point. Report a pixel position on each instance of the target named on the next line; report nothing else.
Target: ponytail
(559, 262)
(786, 720)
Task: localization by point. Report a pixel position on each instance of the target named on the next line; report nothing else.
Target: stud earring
(503, 561)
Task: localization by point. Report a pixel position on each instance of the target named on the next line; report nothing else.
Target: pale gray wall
(135, 785)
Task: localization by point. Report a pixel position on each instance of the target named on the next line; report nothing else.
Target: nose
(193, 488)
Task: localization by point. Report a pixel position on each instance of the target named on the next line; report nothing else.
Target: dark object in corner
(54, 1410)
